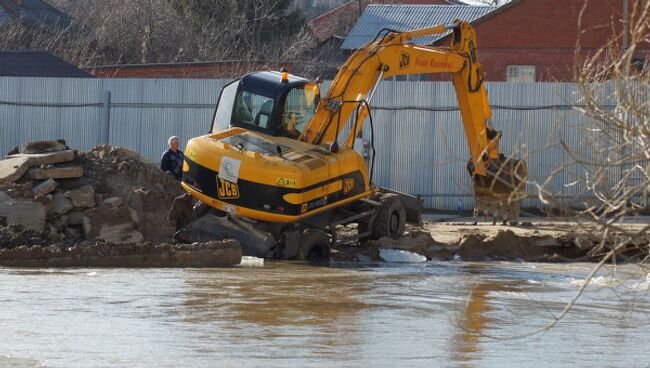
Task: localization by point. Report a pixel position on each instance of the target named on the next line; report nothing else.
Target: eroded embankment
(221, 253)
(536, 241)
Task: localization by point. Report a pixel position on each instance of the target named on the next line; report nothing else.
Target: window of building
(520, 73)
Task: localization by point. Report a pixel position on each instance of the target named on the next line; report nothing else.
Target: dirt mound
(105, 194)
(120, 172)
(506, 245)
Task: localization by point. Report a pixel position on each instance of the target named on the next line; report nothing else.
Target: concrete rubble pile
(51, 195)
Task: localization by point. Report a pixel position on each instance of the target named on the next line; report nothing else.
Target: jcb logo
(404, 60)
(348, 185)
(227, 190)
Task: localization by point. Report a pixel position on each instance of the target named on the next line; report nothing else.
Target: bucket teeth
(499, 194)
(495, 209)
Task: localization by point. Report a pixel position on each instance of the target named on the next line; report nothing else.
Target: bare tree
(155, 31)
(131, 31)
(611, 166)
(67, 42)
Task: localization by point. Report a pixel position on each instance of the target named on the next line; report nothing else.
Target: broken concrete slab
(111, 223)
(56, 173)
(112, 202)
(13, 168)
(60, 205)
(82, 197)
(30, 215)
(36, 159)
(43, 147)
(44, 188)
(122, 233)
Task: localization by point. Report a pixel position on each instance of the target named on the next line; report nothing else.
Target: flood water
(293, 315)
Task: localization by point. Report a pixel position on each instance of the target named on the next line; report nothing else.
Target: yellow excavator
(278, 177)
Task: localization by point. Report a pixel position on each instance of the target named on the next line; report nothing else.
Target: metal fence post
(106, 117)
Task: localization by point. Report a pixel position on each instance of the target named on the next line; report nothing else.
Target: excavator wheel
(391, 219)
(314, 246)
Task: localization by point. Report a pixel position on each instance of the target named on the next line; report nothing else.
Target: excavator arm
(495, 177)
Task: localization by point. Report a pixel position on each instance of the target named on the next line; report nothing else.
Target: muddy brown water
(287, 314)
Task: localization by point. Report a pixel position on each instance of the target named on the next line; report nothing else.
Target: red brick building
(526, 40)
(533, 40)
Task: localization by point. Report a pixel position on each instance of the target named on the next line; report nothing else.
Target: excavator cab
(274, 103)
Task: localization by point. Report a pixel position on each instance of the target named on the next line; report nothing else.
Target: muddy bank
(535, 241)
(104, 207)
(221, 253)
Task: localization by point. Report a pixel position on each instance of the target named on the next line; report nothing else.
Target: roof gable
(407, 18)
(37, 64)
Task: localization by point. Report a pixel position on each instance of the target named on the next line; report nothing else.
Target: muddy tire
(314, 246)
(391, 220)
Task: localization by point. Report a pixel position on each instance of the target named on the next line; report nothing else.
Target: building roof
(407, 18)
(35, 13)
(37, 64)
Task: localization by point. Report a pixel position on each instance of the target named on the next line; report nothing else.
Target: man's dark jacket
(173, 162)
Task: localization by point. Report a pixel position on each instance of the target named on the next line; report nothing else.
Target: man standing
(172, 160)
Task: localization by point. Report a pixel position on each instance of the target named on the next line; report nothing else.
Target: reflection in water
(280, 301)
(287, 314)
(474, 318)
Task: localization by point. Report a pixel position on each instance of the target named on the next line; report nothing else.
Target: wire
(43, 104)
(493, 107)
(388, 108)
(161, 105)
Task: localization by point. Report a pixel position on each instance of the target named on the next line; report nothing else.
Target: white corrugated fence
(419, 136)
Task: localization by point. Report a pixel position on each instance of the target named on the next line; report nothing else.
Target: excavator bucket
(499, 194)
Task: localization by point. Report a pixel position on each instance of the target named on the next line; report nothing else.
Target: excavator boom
(496, 178)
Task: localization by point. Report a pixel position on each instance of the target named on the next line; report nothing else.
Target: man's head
(174, 143)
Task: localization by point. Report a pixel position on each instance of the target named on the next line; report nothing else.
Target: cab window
(224, 107)
(252, 109)
(299, 108)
